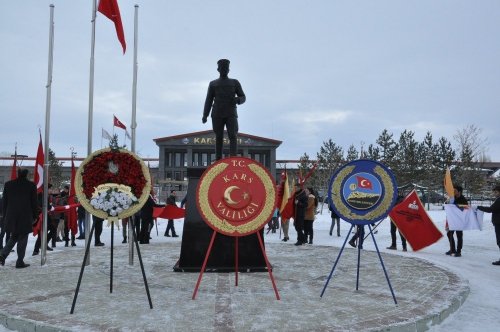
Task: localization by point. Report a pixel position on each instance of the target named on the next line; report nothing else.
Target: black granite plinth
(196, 237)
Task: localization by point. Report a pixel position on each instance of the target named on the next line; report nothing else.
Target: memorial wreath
(112, 183)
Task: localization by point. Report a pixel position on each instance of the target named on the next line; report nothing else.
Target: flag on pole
(110, 9)
(72, 215)
(13, 172)
(414, 223)
(448, 185)
(38, 177)
(463, 218)
(118, 123)
(106, 135)
(286, 192)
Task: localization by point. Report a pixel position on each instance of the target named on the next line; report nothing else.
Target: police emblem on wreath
(362, 191)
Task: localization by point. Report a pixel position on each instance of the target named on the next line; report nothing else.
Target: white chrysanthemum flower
(113, 202)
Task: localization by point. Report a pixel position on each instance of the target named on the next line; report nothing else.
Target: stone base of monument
(196, 237)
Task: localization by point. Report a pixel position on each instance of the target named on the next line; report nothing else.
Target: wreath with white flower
(112, 183)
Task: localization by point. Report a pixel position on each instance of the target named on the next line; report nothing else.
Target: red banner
(169, 212)
(414, 223)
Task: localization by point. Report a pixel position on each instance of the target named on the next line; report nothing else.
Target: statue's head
(223, 66)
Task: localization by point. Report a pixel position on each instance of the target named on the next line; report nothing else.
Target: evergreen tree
(373, 152)
(408, 157)
(329, 159)
(55, 171)
(388, 149)
(352, 154)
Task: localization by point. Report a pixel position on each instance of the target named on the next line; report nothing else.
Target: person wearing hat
(494, 209)
(223, 95)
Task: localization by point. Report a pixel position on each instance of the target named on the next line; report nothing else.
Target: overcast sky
(311, 70)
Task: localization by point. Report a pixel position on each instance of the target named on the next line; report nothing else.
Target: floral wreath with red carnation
(112, 183)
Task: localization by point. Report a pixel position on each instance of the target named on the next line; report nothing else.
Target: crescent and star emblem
(227, 195)
(228, 198)
(364, 183)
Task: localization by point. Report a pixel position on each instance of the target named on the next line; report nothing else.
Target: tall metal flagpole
(133, 125)
(90, 115)
(43, 256)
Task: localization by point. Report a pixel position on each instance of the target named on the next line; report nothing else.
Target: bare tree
(471, 150)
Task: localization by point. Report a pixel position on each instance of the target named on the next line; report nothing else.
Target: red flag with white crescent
(364, 182)
(72, 215)
(118, 123)
(38, 177)
(13, 171)
(110, 9)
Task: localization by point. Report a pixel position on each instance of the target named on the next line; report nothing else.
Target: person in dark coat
(459, 199)
(170, 223)
(51, 229)
(80, 212)
(393, 245)
(147, 218)
(335, 219)
(223, 95)
(494, 209)
(358, 238)
(20, 210)
(98, 231)
(301, 200)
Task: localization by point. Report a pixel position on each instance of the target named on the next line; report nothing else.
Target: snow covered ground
(478, 313)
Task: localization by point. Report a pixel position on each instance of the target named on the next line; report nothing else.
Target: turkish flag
(364, 182)
(110, 9)
(13, 171)
(38, 177)
(169, 212)
(72, 215)
(414, 223)
(118, 123)
(37, 226)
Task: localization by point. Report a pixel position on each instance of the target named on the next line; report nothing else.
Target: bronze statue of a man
(223, 95)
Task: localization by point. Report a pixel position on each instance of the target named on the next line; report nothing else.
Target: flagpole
(133, 125)
(45, 196)
(91, 111)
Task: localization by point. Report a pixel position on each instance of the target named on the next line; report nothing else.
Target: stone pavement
(39, 298)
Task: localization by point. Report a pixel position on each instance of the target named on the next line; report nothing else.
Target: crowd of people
(306, 202)
(20, 208)
(20, 211)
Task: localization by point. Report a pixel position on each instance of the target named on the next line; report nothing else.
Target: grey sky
(311, 70)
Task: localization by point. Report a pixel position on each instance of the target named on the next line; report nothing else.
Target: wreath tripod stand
(87, 248)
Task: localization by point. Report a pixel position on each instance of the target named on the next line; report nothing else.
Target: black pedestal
(196, 237)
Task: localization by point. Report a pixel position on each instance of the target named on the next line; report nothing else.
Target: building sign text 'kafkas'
(211, 141)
